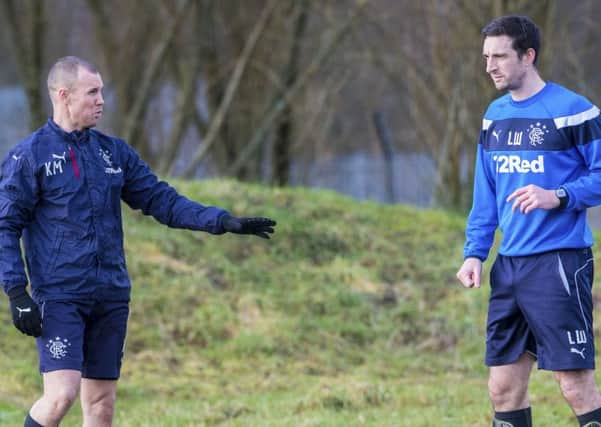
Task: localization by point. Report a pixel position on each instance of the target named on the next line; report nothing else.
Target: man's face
(502, 63)
(84, 99)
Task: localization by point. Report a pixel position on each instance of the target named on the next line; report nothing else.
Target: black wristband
(16, 292)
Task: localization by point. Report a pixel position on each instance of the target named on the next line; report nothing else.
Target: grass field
(350, 316)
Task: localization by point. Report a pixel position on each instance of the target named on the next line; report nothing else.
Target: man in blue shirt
(538, 169)
(60, 192)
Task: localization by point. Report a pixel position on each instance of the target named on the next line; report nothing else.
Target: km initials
(55, 166)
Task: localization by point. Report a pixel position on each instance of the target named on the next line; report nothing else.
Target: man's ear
(62, 94)
(530, 55)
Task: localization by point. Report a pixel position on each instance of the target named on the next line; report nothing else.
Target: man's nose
(490, 65)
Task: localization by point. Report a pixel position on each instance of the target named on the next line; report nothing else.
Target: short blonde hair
(65, 70)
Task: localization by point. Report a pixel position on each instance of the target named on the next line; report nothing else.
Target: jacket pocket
(56, 250)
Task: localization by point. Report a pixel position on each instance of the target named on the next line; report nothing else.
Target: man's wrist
(563, 196)
(16, 291)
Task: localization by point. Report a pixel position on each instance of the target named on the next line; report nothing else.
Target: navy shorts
(542, 304)
(87, 336)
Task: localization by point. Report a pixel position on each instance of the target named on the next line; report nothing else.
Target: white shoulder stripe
(486, 124)
(576, 119)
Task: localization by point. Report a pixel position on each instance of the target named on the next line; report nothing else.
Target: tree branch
(134, 117)
(231, 89)
(279, 106)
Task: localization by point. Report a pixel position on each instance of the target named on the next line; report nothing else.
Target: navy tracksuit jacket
(61, 192)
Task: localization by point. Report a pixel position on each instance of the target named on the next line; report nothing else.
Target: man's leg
(60, 390)
(580, 390)
(98, 402)
(508, 391)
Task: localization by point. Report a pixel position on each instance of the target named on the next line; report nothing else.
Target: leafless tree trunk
(186, 110)
(280, 104)
(134, 79)
(284, 132)
(135, 116)
(26, 24)
(231, 90)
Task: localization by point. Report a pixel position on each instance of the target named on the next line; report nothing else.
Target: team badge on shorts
(58, 347)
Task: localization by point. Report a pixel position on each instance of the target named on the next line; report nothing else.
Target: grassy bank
(350, 316)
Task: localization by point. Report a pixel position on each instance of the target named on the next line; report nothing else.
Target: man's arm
(585, 192)
(482, 220)
(18, 197)
(143, 190)
(481, 223)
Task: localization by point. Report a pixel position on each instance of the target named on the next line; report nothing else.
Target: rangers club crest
(58, 347)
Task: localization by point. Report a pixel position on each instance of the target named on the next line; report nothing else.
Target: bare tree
(282, 145)
(136, 59)
(278, 107)
(231, 89)
(25, 21)
(444, 82)
(252, 87)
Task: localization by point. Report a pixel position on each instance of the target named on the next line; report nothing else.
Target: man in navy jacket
(61, 190)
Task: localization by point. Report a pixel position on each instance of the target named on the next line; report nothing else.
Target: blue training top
(551, 139)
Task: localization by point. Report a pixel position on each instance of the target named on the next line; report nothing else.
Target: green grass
(350, 316)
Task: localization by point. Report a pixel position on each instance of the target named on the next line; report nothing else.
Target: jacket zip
(74, 162)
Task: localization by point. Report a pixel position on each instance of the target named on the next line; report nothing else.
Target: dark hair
(521, 29)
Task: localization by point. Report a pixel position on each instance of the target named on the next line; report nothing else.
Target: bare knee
(100, 408)
(570, 389)
(501, 392)
(508, 384)
(507, 394)
(579, 389)
(59, 401)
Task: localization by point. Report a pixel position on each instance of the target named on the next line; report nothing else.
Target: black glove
(26, 315)
(257, 226)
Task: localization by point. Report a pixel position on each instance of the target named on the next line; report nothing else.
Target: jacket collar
(74, 136)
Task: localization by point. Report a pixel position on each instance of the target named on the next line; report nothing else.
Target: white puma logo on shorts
(580, 352)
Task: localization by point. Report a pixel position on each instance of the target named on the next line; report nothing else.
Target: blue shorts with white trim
(542, 304)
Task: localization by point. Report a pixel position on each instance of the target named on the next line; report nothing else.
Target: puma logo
(63, 157)
(580, 352)
(23, 310)
(496, 134)
(16, 157)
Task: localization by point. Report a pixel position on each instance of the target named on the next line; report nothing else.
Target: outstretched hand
(25, 312)
(258, 226)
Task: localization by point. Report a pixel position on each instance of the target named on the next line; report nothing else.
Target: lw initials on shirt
(579, 335)
(514, 138)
